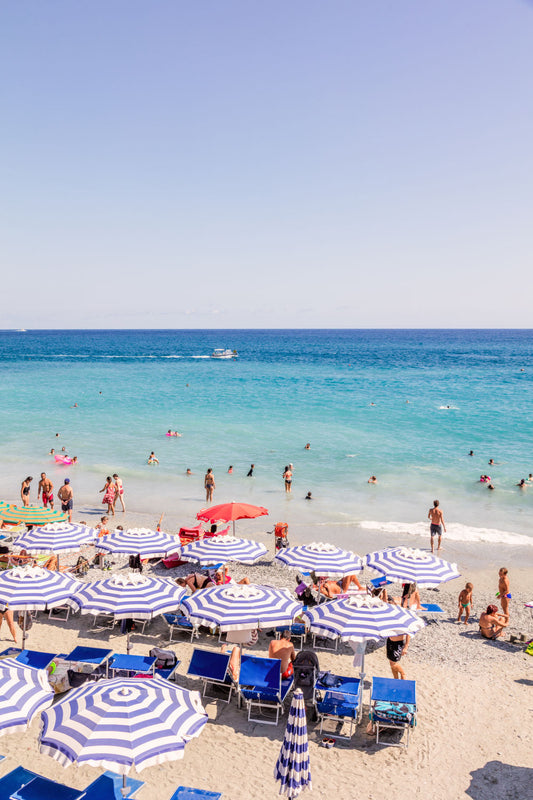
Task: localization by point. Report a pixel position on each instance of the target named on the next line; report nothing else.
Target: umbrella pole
(124, 788)
(128, 646)
(23, 630)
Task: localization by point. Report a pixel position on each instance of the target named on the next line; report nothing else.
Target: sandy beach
(473, 737)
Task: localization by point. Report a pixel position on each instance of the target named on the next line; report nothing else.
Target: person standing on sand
(397, 647)
(209, 484)
(119, 492)
(47, 488)
(25, 491)
(437, 523)
(109, 495)
(66, 495)
(503, 590)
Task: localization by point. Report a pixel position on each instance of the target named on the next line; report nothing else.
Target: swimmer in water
(230, 469)
(189, 472)
(372, 479)
(307, 446)
(522, 483)
(152, 459)
(491, 462)
(491, 487)
(471, 453)
(308, 496)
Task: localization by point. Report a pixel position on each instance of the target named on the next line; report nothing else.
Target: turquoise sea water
(436, 395)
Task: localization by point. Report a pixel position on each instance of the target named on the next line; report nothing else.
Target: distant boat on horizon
(221, 353)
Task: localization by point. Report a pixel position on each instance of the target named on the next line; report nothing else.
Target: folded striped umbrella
(235, 607)
(326, 560)
(31, 515)
(120, 723)
(221, 549)
(359, 619)
(292, 767)
(35, 589)
(57, 537)
(140, 541)
(24, 692)
(412, 566)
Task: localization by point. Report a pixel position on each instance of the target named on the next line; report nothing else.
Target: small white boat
(221, 353)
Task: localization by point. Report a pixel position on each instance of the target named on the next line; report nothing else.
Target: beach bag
(135, 563)
(166, 659)
(529, 649)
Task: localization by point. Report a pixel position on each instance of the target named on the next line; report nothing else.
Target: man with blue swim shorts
(437, 523)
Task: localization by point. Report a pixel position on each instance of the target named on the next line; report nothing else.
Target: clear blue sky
(290, 163)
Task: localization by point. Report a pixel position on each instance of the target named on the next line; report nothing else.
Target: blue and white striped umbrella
(412, 566)
(24, 692)
(361, 619)
(221, 549)
(129, 595)
(142, 541)
(120, 723)
(57, 537)
(236, 607)
(326, 560)
(35, 589)
(292, 767)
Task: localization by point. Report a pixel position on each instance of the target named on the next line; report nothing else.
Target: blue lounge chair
(109, 787)
(261, 686)
(393, 705)
(11, 782)
(213, 669)
(39, 788)
(34, 658)
(297, 629)
(122, 664)
(339, 698)
(178, 623)
(186, 793)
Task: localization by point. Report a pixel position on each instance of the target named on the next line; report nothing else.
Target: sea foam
(455, 531)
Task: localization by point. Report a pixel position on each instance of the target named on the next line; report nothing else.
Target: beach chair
(393, 705)
(60, 613)
(325, 642)
(109, 787)
(213, 669)
(260, 686)
(187, 793)
(34, 658)
(13, 781)
(339, 698)
(298, 631)
(179, 623)
(125, 665)
(39, 788)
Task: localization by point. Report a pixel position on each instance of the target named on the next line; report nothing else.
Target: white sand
(473, 737)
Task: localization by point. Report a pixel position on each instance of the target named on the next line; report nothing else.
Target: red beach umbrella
(229, 512)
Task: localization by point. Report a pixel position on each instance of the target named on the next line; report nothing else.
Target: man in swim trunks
(47, 488)
(25, 491)
(503, 590)
(283, 649)
(66, 496)
(437, 523)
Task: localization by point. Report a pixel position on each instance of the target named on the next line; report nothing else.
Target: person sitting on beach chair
(329, 588)
(221, 577)
(410, 597)
(492, 624)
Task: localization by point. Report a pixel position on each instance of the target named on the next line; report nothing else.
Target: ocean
(405, 405)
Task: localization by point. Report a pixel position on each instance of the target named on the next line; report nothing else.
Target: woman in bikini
(209, 484)
(119, 492)
(492, 624)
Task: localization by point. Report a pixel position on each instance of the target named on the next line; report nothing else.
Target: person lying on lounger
(329, 588)
(350, 580)
(492, 624)
(195, 581)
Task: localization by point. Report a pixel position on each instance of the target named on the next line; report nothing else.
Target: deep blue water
(436, 395)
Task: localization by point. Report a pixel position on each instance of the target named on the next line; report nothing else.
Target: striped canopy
(56, 537)
(129, 595)
(292, 767)
(412, 566)
(31, 515)
(235, 607)
(35, 589)
(24, 692)
(220, 549)
(120, 723)
(361, 619)
(142, 541)
(326, 560)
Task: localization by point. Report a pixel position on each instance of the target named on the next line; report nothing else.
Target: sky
(237, 164)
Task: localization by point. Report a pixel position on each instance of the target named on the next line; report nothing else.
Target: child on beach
(465, 602)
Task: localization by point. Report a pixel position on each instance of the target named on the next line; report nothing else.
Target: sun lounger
(33, 658)
(39, 788)
(108, 787)
(60, 613)
(297, 629)
(393, 705)
(178, 623)
(213, 669)
(325, 642)
(261, 686)
(123, 665)
(186, 793)
(13, 781)
(339, 698)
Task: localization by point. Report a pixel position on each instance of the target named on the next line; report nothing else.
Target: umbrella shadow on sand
(504, 781)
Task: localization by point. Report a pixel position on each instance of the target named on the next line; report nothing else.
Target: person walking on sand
(119, 492)
(465, 602)
(66, 495)
(287, 477)
(25, 491)
(503, 590)
(47, 488)
(109, 495)
(209, 484)
(437, 523)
